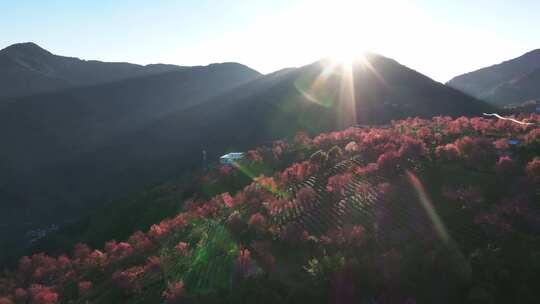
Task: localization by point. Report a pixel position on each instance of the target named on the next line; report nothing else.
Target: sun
(347, 53)
(348, 56)
(346, 29)
(347, 45)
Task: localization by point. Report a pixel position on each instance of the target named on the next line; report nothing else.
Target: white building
(231, 158)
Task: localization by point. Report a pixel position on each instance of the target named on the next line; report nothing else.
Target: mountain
(312, 98)
(44, 130)
(74, 150)
(268, 108)
(130, 132)
(45, 133)
(513, 81)
(27, 69)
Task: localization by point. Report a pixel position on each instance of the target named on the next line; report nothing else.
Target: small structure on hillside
(231, 158)
(513, 142)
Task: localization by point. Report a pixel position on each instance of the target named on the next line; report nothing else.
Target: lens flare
(428, 206)
(332, 88)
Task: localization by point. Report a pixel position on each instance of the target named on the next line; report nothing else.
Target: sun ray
(428, 206)
(347, 97)
(369, 65)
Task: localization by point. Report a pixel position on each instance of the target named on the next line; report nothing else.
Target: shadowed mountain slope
(276, 106)
(42, 134)
(27, 69)
(281, 104)
(513, 81)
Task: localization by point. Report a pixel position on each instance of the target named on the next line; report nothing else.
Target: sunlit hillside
(434, 210)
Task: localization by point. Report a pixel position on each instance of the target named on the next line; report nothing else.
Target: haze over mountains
(510, 82)
(93, 131)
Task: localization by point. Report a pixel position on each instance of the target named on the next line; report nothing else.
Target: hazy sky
(438, 38)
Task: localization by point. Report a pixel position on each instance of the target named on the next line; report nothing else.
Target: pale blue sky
(438, 38)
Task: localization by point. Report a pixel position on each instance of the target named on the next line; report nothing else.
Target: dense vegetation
(420, 211)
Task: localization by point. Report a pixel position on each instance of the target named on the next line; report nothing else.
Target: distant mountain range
(92, 131)
(27, 69)
(511, 82)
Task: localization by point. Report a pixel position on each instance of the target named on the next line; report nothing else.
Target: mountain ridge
(28, 69)
(499, 83)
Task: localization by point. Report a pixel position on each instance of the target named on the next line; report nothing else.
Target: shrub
(84, 287)
(336, 184)
(533, 169)
(175, 293)
(448, 152)
(42, 295)
(505, 165)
